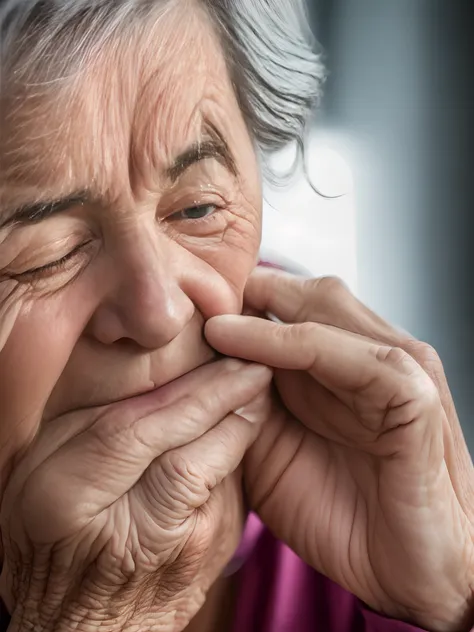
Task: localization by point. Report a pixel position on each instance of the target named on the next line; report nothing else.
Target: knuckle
(112, 431)
(424, 354)
(302, 332)
(297, 334)
(428, 359)
(302, 293)
(330, 286)
(425, 397)
(176, 466)
(182, 477)
(194, 408)
(396, 357)
(428, 392)
(324, 298)
(418, 385)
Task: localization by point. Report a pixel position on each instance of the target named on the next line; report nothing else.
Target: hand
(364, 472)
(122, 517)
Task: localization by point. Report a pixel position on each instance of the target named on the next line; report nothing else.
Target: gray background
(402, 84)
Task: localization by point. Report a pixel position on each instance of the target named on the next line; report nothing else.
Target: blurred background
(391, 157)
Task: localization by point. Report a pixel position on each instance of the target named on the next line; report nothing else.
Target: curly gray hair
(276, 70)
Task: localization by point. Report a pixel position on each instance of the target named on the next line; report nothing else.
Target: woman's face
(130, 211)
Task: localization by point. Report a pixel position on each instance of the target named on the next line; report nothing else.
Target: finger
(137, 442)
(275, 291)
(328, 301)
(103, 463)
(342, 362)
(195, 413)
(325, 300)
(248, 337)
(166, 395)
(457, 455)
(58, 432)
(329, 354)
(182, 480)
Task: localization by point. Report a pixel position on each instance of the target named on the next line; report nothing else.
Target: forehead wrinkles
(122, 115)
(29, 133)
(168, 111)
(59, 132)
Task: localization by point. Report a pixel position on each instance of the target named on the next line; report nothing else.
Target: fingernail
(251, 416)
(256, 411)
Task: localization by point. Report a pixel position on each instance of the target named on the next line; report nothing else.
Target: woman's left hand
(363, 471)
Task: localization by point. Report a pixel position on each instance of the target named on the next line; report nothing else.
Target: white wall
(307, 228)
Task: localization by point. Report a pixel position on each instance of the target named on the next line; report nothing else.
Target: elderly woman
(147, 427)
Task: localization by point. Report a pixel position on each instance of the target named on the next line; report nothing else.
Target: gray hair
(275, 67)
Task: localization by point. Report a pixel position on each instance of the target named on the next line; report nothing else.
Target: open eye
(195, 213)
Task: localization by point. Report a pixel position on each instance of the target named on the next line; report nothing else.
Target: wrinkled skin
(145, 509)
(124, 507)
(364, 472)
(150, 255)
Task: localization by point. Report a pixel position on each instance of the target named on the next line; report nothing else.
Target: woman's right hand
(120, 518)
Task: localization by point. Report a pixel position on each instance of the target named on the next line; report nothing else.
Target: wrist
(461, 620)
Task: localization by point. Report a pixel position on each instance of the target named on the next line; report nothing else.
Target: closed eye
(53, 267)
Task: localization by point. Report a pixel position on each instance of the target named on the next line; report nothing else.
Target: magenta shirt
(278, 592)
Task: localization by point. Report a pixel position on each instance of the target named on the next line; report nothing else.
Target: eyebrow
(36, 212)
(216, 148)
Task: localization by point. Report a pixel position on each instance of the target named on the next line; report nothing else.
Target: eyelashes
(54, 267)
(195, 213)
(198, 214)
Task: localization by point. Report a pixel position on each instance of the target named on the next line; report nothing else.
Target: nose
(147, 305)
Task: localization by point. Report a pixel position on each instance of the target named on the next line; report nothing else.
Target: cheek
(238, 254)
(34, 356)
(215, 276)
(235, 254)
